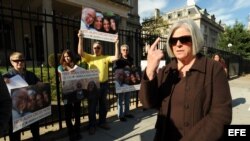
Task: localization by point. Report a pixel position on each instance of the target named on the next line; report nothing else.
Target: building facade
(207, 23)
(30, 26)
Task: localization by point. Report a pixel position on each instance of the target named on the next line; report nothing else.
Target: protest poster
(74, 84)
(99, 25)
(127, 88)
(127, 80)
(30, 104)
(82, 76)
(16, 82)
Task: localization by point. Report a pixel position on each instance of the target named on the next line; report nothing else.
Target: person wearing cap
(17, 60)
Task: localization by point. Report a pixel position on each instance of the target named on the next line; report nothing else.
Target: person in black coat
(18, 62)
(125, 62)
(5, 106)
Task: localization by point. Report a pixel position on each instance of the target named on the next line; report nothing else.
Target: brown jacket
(208, 102)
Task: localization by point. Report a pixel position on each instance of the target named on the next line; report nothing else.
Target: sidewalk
(141, 128)
(240, 90)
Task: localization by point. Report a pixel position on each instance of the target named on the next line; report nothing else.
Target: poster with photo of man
(99, 25)
(30, 104)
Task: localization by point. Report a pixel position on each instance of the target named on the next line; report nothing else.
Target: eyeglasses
(97, 47)
(16, 61)
(182, 39)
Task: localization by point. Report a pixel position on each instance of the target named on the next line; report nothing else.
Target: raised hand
(80, 43)
(80, 34)
(153, 59)
(117, 40)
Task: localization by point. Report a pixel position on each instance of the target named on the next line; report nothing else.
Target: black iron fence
(235, 63)
(41, 36)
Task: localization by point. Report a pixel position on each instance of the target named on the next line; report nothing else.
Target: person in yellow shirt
(101, 62)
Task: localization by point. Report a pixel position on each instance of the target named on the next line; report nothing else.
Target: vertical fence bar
(2, 32)
(13, 27)
(22, 30)
(56, 64)
(62, 39)
(46, 42)
(30, 44)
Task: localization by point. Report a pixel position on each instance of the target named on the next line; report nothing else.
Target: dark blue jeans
(92, 104)
(103, 102)
(70, 109)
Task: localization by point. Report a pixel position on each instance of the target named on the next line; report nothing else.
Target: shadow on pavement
(238, 101)
(138, 128)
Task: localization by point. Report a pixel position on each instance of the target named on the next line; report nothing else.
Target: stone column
(47, 30)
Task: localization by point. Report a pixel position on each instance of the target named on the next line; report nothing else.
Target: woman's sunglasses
(97, 47)
(183, 39)
(21, 60)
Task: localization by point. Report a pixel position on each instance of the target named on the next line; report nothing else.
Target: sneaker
(92, 130)
(104, 126)
(123, 119)
(129, 116)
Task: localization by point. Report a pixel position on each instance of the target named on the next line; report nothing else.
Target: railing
(39, 34)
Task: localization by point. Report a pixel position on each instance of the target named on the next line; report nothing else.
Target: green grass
(48, 76)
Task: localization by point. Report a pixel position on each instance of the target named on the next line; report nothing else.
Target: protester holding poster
(92, 96)
(125, 60)
(124, 97)
(18, 62)
(5, 106)
(100, 62)
(71, 105)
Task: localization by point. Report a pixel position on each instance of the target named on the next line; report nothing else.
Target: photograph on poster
(74, 84)
(71, 81)
(29, 102)
(99, 25)
(129, 78)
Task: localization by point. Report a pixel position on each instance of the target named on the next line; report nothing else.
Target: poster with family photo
(99, 25)
(129, 78)
(30, 104)
(74, 84)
